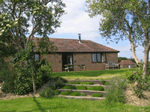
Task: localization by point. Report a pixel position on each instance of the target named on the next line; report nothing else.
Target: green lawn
(100, 74)
(32, 104)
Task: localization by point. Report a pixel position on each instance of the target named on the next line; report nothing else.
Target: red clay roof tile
(126, 62)
(73, 45)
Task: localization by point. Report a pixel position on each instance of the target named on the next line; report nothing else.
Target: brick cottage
(79, 52)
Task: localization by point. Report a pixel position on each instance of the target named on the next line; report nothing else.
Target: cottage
(127, 64)
(77, 53)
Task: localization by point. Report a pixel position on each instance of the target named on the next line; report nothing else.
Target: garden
(113, 94)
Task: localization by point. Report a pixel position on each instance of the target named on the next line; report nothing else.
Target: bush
(56, 92)
(90, 83)
(81, 87)
(83, 94)
(66, 92)
(75, 94)
(97, 88)
(102, 81)
(60, 79)
(106, 83)
(139, 84)
(76, 82)
(97, 95)
(59, 83)
(47, 93)
(69, 87)
(116, 90)
(18, 79)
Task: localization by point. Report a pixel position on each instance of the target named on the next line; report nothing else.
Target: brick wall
(127, 65)
(78, 59)
(56, 61)
(112, 57)
(86, 59)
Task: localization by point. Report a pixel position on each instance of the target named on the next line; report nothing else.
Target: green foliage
(78, 82)
(130, 75)
(83, 94)
(69, 87)
(60, 78)
(96, 88)
(97, 95)
(103, 82)
(116, 90)
(65, 92)
(75, 94)
(81, 87)
(56, 92)
(47, 93)
(75, 82)
(124, 58)
(138, 82)
(89, 83)
(18, 79)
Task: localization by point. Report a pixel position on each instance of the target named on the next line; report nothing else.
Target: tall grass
(116, 90)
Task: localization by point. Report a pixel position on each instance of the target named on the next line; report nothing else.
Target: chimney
(79, 37)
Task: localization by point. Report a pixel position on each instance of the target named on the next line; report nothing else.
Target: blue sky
(77, 21)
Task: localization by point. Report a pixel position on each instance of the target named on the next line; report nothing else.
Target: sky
(78, 21)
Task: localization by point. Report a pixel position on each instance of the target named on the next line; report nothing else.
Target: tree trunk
(146, 57)
(34, 86)
(133, 52)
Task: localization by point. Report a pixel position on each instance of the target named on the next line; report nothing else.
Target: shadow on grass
(38, 104)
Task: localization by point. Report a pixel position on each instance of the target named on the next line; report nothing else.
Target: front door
(67, 58)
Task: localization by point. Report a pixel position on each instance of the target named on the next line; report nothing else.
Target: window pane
(37, 57)
(93, 57)
(99, 57)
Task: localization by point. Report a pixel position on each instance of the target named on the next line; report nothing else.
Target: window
(37, 57)
(97, 57)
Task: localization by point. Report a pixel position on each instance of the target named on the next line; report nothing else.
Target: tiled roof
(126, 62)
(73, 45)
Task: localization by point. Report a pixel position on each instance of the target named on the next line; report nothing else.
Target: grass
(96, 88)
(90, 75)
(97, 95)
(33, 104)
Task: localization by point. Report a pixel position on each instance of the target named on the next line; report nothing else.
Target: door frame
(66, 54)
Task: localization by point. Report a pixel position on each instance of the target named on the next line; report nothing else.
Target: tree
(124, 19)
(124, 58)
(31, 17)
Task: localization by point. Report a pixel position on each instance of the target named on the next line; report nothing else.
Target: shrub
(69, 87)
(83, 94)
(75, 94)
(102, 82)
(106, 83)
(76, 82)
(116, 90)
(59, 83)
(137, 81)
(60, 79)
(18, 79)
(81, 87)
(90, 83)
(66, 92)
(97, 88)
(47, 93)
(97, 95)
(56, 92)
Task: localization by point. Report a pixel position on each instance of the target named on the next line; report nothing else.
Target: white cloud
(78, 21)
